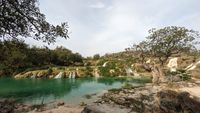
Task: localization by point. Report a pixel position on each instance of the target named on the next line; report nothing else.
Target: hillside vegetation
(16, 56)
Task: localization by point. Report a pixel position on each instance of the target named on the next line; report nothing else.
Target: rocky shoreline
(11, 106)
(163, 98)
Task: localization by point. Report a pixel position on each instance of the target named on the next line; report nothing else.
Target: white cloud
(101, 26)
(97, 5)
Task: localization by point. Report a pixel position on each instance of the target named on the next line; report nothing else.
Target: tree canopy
(23, 18)
(167, 41)
(96, 56)
(16, 56)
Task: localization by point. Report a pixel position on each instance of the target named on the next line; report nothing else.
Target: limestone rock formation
(60, 75)
(148, 99)
(72, 74)
(105, 64)
(96, 73)
(173, 64)
(129, 71)
(192, 66)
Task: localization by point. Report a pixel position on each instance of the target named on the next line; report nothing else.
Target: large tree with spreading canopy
(165, 42)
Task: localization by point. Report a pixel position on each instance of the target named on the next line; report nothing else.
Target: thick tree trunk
(158, 75)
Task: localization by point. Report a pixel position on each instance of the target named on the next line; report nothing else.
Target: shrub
(183, 74)
(88, 71)
(49, 71)
(127, 85)
(61, 68)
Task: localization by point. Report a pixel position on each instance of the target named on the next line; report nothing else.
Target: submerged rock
(61, 103)
(11, 106)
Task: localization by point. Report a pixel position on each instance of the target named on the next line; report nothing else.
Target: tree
(167, 41)
(75, 58)
(96, 56)
(142, 50)
(23, 18)
(13, 56)
(16, 56)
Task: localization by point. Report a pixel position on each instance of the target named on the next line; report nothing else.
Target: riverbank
(162, 98)
(11, 106)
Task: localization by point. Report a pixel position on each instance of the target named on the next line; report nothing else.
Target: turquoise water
(73, 91)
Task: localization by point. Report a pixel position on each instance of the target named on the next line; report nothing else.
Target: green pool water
(73, 91)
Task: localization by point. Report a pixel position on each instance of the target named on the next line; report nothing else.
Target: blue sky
(106, 26)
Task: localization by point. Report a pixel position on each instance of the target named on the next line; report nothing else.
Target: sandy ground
(62, 109)
(194, 91)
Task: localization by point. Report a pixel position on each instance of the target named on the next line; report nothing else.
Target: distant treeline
(17, 56)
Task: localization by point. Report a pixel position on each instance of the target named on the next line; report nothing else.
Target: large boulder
(173, 102)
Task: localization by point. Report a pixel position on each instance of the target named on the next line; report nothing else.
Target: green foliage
(49, 71)
(105, 71)
(114, 90)
(88, 71)
(127, 85)
(62, 56)
(141, 80)
(101, 62)
(96, 56)
(170, 40)
(23, 18)
(16, 56)
(60, 68)
(142, 50)
(184, 74)
(167, 41)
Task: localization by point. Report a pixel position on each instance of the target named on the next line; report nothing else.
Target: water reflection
(35, 90)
